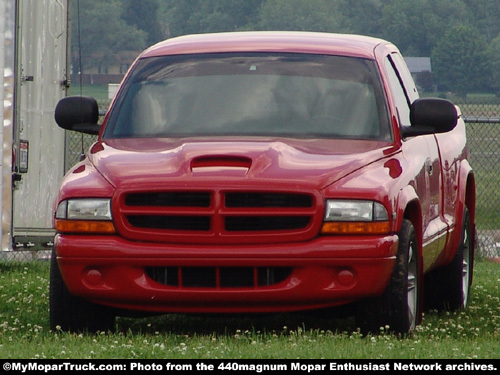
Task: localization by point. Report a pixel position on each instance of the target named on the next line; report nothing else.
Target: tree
(484, 15)
(363, 16)
(494, 51)
(144, 16)
(99, 33)
(415, 26)
(311, 15)
(460, 60)
(199, 16)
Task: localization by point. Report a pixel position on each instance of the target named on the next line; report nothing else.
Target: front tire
(398, 307)
(69, 313)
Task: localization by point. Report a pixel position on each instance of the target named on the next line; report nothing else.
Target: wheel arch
(470, 202)
(411, 209)
(408, 207)
(466, 199)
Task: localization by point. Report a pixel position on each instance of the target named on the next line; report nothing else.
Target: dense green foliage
(453, 32)
(24, 329)
(463, 49)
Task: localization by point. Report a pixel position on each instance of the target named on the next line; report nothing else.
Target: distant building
(421, 71)
(418, 64)
(104, 74)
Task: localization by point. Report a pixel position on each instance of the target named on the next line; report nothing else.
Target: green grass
(99, 92)
(24, 332)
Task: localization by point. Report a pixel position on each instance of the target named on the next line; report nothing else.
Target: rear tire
(398, 308)
(69, 313)
(448, 287)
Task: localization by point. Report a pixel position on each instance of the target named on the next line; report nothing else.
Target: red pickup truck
(259, 172)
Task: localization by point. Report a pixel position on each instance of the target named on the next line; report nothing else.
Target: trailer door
(41, 81)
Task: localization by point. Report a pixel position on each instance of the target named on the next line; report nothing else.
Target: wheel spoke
(465, 268)
(411, 283)
(412, 290)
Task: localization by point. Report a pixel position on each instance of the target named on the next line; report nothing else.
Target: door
(423, 152)
(41, 80)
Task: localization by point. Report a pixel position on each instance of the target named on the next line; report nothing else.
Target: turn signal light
(85, 226)
(357, 227)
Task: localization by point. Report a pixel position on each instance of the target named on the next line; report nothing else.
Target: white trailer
(34, 76)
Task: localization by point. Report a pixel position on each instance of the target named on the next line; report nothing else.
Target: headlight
(84, 216)
(352, 210)
(355, 217)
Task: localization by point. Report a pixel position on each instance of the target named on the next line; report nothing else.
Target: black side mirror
(431, 115)
(78, 113)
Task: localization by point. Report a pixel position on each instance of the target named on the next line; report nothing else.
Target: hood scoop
(227, 165)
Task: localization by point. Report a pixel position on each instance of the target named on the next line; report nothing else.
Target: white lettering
(417, 367)
(145, 366)
(307, 367)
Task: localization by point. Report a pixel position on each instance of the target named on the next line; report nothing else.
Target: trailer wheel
(69, 313)
(398, 308)
(447, 288)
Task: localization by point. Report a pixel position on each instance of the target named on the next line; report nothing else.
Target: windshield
(289, 95)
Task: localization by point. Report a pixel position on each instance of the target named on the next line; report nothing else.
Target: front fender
(408, 206)
(83, 181)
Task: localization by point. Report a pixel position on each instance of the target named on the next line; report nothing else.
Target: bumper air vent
(218, 277)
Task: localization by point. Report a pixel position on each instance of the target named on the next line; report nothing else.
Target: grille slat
(196, 223)
(268, 200)
(263, 223)
(169, 199)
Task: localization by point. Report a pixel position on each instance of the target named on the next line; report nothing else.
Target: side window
(405, 94)
(405, 76)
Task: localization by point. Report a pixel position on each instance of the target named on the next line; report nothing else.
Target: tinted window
(404, 94)
(405, 75)
(292, 95)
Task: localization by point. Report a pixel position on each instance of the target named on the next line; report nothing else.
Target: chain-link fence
(482, 116)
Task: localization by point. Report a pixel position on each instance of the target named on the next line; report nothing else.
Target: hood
(138, 163)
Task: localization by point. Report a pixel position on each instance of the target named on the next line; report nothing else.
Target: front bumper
(325, 272)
